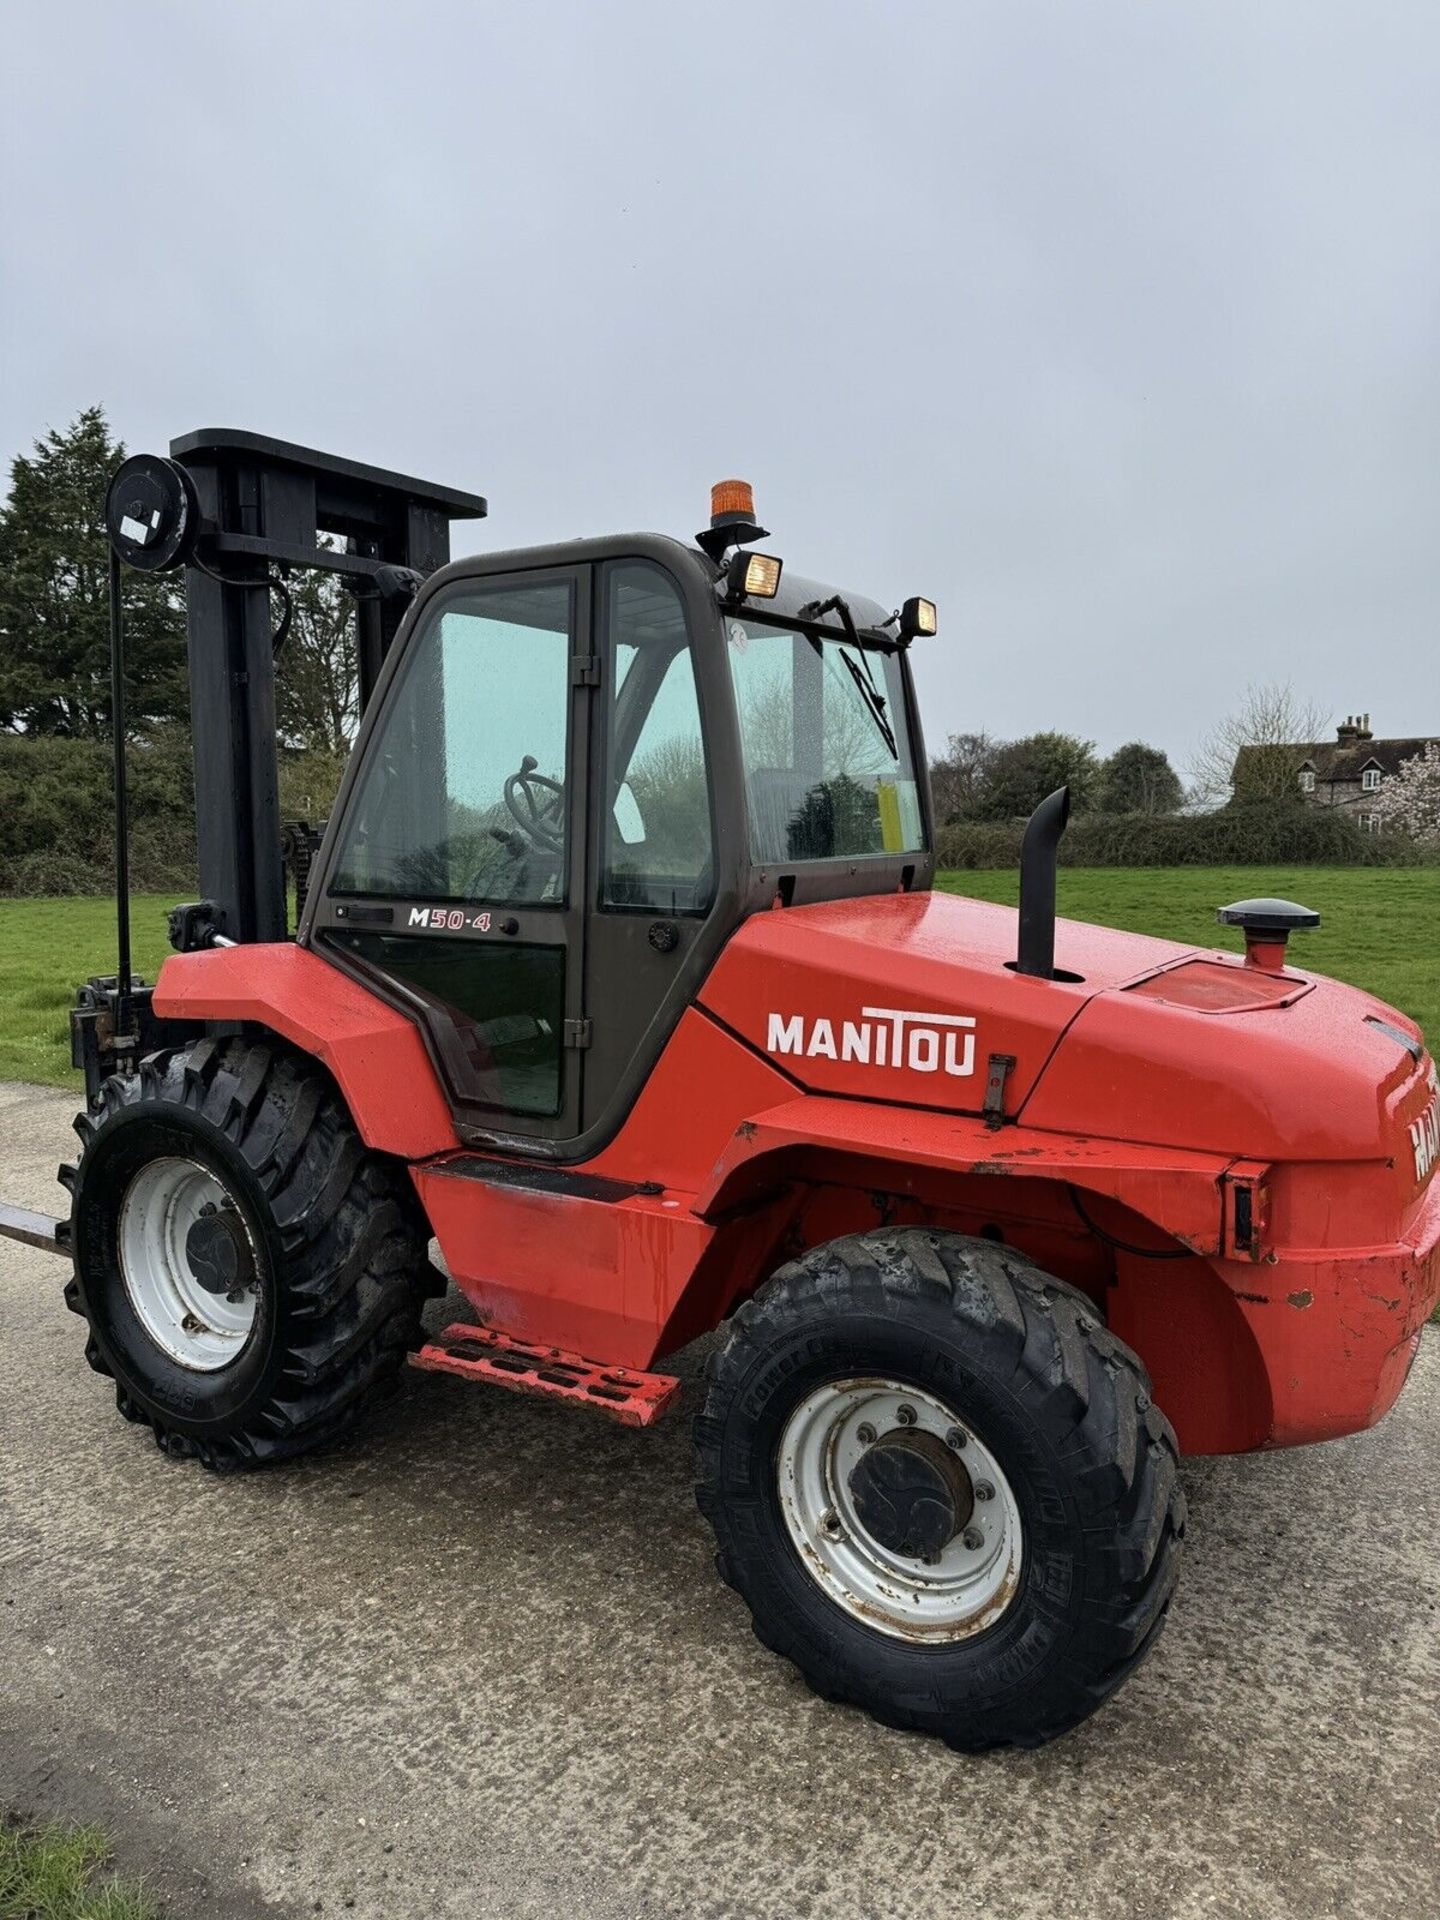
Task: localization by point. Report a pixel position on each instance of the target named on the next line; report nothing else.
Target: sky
(1113, 328)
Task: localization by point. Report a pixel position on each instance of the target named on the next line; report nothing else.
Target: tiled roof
(1333, 762)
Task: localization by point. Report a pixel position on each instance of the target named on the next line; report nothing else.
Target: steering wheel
(536, 804)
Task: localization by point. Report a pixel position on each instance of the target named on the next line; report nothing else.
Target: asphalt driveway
(479, 1664)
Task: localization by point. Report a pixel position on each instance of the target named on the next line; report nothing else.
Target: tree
(1022, 772)
(1139, 779)
(54, 599)
(958, 777)
(851, 742)
(836, 814)
(1254, 755)
(1410, 798)
(670, 789)
(317, 674)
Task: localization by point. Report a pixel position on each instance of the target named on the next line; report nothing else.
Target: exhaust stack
(1039, 854)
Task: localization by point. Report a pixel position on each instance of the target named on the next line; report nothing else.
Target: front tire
(941, 1486)
(251, 1273)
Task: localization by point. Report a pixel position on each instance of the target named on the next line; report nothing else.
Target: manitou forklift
(619, 975)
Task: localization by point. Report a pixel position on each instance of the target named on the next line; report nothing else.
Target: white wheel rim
(970, 1583)
(201, 1330)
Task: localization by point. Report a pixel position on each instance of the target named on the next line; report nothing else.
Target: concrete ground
(479, 1664)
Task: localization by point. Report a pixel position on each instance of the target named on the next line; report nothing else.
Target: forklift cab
(582, 767)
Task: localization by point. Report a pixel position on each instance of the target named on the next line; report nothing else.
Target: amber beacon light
(732, 518)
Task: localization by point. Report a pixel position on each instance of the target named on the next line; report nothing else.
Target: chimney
(1363, 726)
(1349, 733)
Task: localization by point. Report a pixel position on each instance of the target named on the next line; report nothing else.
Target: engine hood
(908, 998)
(905, 997)
(1310, 1070)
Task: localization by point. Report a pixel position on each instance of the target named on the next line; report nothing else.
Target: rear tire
(1032, 1608)
(320, 1242)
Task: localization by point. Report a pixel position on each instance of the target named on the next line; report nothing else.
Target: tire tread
(351, 1229)
(1063, 1356)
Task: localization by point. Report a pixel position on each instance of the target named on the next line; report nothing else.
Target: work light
(917, 618)
(754, 576)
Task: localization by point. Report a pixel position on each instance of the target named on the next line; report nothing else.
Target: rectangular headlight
(918, 619)
(753, 576)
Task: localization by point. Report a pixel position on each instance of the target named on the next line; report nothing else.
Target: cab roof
(680, 557)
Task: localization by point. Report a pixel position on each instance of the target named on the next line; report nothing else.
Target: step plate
(478, 1353)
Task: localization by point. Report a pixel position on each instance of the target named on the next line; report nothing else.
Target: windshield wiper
(860, 670)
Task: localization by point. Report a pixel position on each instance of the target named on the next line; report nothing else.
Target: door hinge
(585, 670)
(577, 1033)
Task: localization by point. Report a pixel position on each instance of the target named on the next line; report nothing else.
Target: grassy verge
(1380, 926)
(55, 1873)
(47, 947)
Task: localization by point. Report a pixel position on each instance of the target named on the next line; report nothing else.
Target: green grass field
(1380, 926)
(1381, 930)
(47, 948)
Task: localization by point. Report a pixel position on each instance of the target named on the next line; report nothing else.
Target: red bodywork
(1257, 1130)
(479, 1353)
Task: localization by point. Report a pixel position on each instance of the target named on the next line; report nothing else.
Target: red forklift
(619, 974)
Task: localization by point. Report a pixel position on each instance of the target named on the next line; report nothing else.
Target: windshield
(826, 743)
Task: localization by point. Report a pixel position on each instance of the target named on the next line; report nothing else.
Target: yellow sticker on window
(892, 837)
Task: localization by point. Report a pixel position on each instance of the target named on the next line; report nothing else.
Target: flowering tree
(1410, 798)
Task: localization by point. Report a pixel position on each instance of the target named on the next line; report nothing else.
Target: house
(1350, 772)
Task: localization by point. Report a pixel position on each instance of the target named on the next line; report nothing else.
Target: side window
(657, 838)
(463, 794)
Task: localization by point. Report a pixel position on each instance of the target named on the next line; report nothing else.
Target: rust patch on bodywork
(1013, 1160)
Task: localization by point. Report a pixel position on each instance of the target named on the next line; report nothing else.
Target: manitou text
(882, 1037)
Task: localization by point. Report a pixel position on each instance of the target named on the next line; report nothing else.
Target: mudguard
(376, 1055)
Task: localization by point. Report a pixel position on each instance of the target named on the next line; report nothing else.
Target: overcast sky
(1111, 327)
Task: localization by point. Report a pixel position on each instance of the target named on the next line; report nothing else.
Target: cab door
(655, 880)
(456, 880)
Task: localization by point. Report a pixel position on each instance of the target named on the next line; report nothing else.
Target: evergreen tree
(1020, 773)
(837, 816)
(54, 608)
(1139, 779)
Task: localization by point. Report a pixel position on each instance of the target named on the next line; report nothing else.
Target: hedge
(57, 812)
(1264, 836)
(57, 834)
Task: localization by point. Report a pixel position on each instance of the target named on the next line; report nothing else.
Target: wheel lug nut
(984, 1491)
(905, 1415)
(973, 1539)
(830, 1521)
(865, 1434)
(955, 1439)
